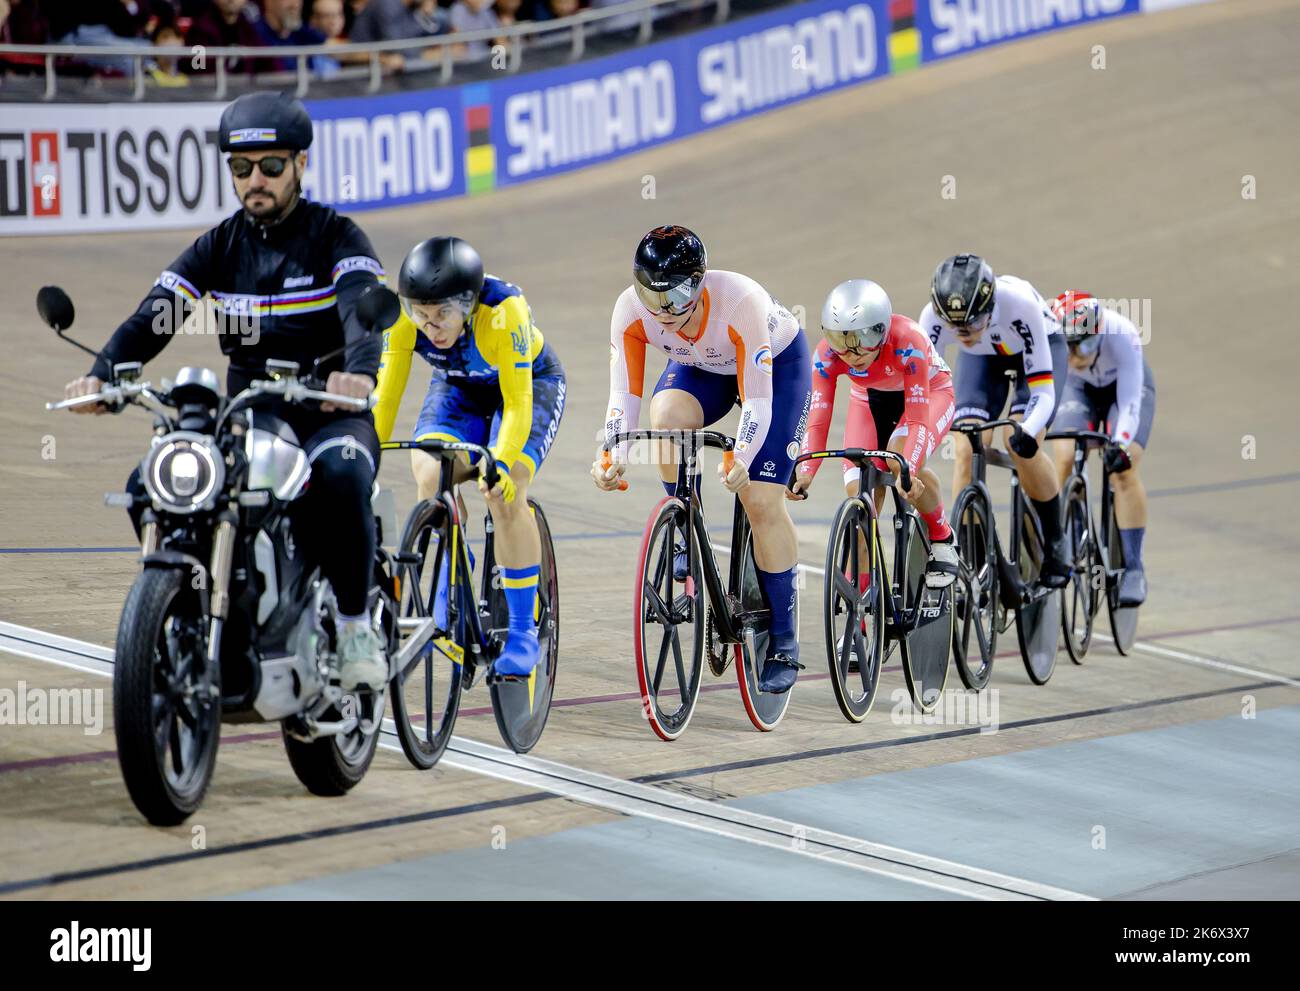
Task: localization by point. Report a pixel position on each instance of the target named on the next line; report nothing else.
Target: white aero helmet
(856, 316)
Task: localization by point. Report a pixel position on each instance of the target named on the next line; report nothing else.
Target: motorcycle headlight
(182, 473)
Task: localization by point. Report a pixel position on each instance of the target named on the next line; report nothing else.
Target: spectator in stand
(281, 24)
(165, 72)
(98, 22)
(473, 15)
(224, 23)
(554, 10)
(545, 10)
(351, 8)
(386, 20)
(508, 12)
(329, 18)
(23, 23)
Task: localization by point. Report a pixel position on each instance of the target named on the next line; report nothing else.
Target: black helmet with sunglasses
(262, 121)
(668, 269)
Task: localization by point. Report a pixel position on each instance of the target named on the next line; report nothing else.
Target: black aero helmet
(962, 289)
(260, 121)
(668, 269)
(441, 268)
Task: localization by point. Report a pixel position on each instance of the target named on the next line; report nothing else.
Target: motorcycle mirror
(55, 308)
(378, 308)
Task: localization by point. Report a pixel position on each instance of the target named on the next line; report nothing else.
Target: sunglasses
(272, 166)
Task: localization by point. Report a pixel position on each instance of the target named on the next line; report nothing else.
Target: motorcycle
(229, 620)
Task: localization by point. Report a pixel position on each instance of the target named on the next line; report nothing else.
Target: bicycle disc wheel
(521, 705)
(765, 709)
(927, 644)
(1038, 623)
(975, 620)
(669, 635)
(1081, 597)
(426, 693)
(853, 609)
(1123, 619)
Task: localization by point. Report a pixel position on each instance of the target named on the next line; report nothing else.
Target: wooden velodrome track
(1125, 181)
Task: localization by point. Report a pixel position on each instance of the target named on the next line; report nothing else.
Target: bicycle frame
(731, 620)
(981, 457)
(472, 620)
(1107, 543)
(901, 620)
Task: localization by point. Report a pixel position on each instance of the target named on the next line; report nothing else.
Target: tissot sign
(113, 167)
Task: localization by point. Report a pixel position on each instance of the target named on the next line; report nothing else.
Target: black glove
(1116, 459)
(1023, 444)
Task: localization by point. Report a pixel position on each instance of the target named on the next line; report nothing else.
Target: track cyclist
(291, 271)
(900, 388)
(727, 341)
(495, 381)
(1109, 383)
(1004, 326)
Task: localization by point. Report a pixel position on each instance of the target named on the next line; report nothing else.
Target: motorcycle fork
(223, 551)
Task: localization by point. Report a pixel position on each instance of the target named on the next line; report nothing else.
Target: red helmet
(1078, 313)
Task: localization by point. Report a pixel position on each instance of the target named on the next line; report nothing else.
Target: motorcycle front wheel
(167, 725)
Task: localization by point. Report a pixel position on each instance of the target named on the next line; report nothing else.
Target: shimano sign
(952, 26)
(572, 123)
(789, 61)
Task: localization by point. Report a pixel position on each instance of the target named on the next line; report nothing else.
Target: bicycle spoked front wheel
(1038, 622)
(1082, 595)
(426, 694)
(669, 637)
(975, 606)
(521, 705)
(854, 608)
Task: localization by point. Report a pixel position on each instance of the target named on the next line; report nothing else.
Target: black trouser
(332, 519)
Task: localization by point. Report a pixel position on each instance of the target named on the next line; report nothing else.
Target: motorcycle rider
(290, 271)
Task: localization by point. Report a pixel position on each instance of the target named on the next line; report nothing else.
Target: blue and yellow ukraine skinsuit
(500, 384)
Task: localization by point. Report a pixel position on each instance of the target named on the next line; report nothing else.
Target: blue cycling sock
(780, 589)
(521, 596)
(1132, 543)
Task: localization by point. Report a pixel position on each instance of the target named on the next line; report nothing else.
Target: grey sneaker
(361, 658)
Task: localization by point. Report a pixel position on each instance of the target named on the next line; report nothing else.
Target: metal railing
(514, 36)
